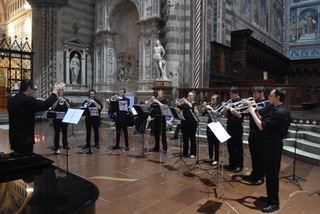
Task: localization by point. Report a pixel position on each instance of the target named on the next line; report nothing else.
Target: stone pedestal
(164, 85)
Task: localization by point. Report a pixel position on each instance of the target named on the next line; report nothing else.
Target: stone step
(302, 155)
(302, 144)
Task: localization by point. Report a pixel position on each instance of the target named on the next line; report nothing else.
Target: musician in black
(22, 108)
(273, 125)
(235, 130)
(211, 138)
(92, 119)
(189, 125)
(122, 119)
(61, 105)
(256, 137)
(159, 123)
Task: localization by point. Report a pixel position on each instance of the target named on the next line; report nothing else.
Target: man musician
(60, 107)
(159, 122)
(121, 118)
(92, 118)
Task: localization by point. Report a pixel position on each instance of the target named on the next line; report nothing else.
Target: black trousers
(235, 146)
(273, 153)
(121, 123)
(92, 122)
(188, 130)
(256, 148)
(59, 125)
(213, 142)
(159, 127)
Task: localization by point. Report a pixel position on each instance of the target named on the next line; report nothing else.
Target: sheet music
(144, 108)
(177, 113)
(133, 111)
(196, 115)
(219, 131)
(73, 116)
(165, 111)
(123, 105)
(93, 111)
(60, 114)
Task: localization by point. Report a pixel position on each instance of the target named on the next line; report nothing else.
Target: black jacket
(22, 110)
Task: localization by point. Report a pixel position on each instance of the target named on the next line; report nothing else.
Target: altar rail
(293, 99)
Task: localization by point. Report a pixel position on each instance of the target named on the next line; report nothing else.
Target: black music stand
(294, 178)
(178, 115)
(58, 115)
(197, 117)
(143, 112)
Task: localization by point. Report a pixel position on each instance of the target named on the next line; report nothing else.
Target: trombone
(244, 108)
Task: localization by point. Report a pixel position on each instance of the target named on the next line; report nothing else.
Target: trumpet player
(121, 120)
(189, 125)
(211, 138)
(235, 130)
(61, 105)
(256, 137)
(158, 123)
(92, 120)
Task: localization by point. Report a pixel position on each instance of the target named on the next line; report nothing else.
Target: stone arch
(123, 20)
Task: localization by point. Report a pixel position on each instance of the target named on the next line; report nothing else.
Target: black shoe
(259, 182)
(173, 138)
(85, 147)
(126, 148)
(164, 151)
(229, 167)
(238, 169)
(66, 147)
(270, 208)
(248, 178)
(57, 152)
(115, 147)
(97, 146)
(55, 148)
(135, 132)
(153, 150)
(264, 199)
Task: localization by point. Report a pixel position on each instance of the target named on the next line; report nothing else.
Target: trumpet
(244, 108)
(180, 101)
(221, 109)
(61, 100)
(240, 103)
(88, 101)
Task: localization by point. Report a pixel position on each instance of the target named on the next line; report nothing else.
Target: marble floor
(157, 183)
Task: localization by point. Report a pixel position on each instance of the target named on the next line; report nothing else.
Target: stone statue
(160, 62)
(75, 68)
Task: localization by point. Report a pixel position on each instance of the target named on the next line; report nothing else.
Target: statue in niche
(75, 68)
(158, 58)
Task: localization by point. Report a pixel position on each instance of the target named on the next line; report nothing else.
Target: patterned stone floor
(167, 184)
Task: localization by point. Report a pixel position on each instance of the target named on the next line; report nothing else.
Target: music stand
(222, 135)
(142, 111)
(178, 115)
(294, 178)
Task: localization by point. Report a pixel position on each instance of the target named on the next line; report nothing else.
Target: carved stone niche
(76, 63)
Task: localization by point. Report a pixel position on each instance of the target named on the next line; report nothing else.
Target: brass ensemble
(244, 108)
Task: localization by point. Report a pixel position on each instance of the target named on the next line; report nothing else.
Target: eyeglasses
(213, 98)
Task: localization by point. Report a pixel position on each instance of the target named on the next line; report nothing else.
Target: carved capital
(47, 3)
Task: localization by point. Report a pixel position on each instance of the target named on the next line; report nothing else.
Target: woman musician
(189, 125)
(61, 105)
(212, 139)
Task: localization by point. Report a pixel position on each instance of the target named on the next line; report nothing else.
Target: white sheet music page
(123, 105)
(165, 110)
(219, 131)
(73, 116)
(93, 111)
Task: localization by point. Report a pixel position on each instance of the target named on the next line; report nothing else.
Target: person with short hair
(92, 121)
(273, 126)
(22, 108)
